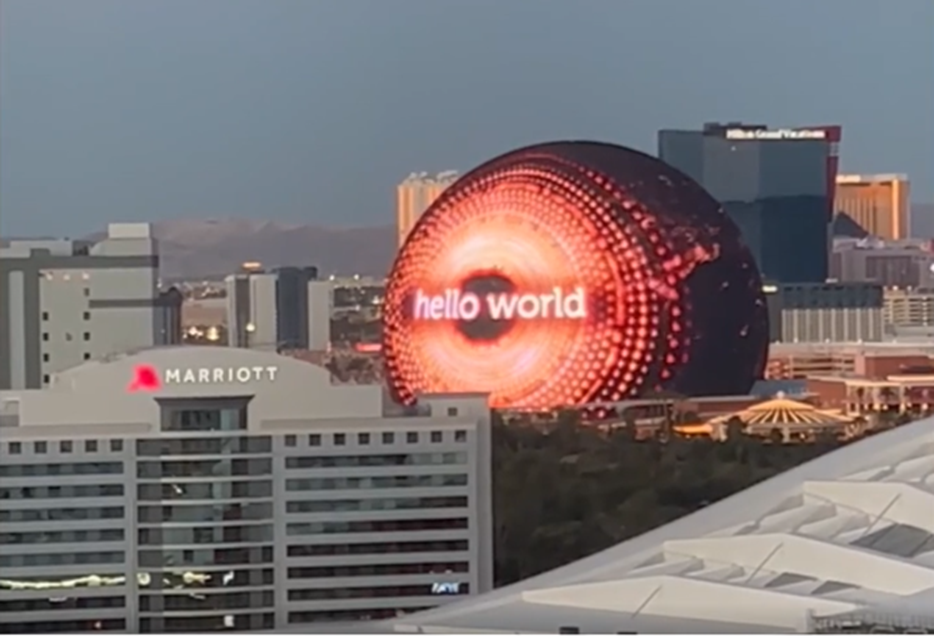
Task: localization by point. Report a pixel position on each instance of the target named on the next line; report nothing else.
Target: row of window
(226, 535)
(387, 525)
(233, 468)
(65, 446)
(86, 315)
(386, 437)
(206, 602)
(46, 336)
(61, 514)
(62, 492)
(204, 513)
(374, 591)
(383, 569)
(80, 626)
(389, 503)
(205, 557)
(205, 490)
(240, 445)
(225, 579)
(48, 358)
(206, 535)
(206, 420)
(204, 468)
(393, 547)
(221, 446)
(396, 459)
(52, 581)
(61, 536)
(48, 470)
(205, 624)
(351, 615)
(366, 483)
(47, 559)
(62, 603)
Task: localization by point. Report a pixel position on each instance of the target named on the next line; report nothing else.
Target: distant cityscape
(240, 452)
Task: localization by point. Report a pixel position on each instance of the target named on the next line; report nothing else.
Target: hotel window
(45, 315)
(290, 440)
(437, 437)
(46, 378)
(87, 356)
(363, 439)
(45, 336)
(90, 446)
(87, 336)
(452, 411)
(223, 419)
(16, 448)
(116, 446)
(64, 446)
(389, 438)
(340, 439)
(87, 315)
(411, 437)
(314, 440)
(45, 357)
(40, 448)
(460, 436)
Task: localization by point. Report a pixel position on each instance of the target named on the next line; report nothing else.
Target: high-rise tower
(776, 184)
(878, 203)
(415, 194)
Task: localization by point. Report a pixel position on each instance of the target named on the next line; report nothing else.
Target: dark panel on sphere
(574, 272)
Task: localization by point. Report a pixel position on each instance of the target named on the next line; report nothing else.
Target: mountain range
(195, 249)
(204, 249)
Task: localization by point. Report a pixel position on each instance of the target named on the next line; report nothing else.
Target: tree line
(563, 491)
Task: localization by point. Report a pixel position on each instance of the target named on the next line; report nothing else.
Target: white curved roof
(851, 532)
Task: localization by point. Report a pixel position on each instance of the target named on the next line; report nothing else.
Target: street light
(249, 328)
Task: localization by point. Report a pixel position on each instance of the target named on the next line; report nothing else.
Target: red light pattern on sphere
(672, 297)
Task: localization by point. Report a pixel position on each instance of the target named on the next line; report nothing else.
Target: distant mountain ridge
(193, 249)
(212, 248)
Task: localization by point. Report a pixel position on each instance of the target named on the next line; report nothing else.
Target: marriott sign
(220, 375)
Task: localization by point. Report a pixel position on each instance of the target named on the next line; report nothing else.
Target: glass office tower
(777, 186)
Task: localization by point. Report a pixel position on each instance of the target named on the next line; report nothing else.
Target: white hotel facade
(192, 489)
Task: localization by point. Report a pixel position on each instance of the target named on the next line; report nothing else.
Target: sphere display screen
(570, 273)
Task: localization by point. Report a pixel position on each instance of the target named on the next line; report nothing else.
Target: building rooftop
(782, 411)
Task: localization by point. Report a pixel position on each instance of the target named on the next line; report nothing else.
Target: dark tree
(776, 436)
(564, 492)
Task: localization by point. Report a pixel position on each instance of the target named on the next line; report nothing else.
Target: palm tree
(860, 396)
(776, 436)
(886, 393)
(735, 429)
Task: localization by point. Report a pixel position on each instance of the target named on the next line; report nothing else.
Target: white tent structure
(849, 535)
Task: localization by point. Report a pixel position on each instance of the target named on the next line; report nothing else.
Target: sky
(311, 111)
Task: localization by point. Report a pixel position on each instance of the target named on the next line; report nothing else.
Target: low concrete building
(63, 302)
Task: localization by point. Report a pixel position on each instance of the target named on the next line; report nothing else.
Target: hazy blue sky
(312, 110)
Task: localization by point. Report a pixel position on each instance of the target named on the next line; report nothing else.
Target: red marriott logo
(145, 378)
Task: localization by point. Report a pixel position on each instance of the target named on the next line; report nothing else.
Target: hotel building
(414, 195)
(195, 489)
(63, 302)
(878, 203)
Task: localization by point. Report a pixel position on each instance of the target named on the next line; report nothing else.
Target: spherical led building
(569, 273)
